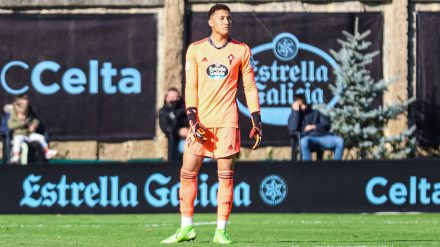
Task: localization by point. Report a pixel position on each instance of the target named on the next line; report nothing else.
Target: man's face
(302, 105)
(221, 22)
(172, 96)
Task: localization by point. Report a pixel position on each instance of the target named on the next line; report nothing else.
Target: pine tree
(356, 117)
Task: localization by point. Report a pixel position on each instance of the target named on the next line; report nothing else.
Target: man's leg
(225, 191)
(187, 195)
(333, 142)
(225, 195)
(339, 149)
(188, 186)
(305, 148)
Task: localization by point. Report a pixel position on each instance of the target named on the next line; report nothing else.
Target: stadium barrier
(328, 186)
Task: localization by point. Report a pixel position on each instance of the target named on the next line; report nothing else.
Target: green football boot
(221, 237)
(186, 233)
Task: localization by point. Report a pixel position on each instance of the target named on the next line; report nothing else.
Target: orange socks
(187, 192)
(225, 194)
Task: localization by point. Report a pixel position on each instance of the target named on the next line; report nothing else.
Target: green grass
(244, 229)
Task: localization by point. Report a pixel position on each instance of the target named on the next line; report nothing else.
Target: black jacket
(172, 118)
(298, 121)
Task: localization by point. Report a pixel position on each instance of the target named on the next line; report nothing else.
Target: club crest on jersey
(217, 71)
(230, 58)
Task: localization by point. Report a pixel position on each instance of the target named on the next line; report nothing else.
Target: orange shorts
(221, 142)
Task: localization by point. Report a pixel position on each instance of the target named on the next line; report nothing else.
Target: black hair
(302, 97)
(170, 90)
(216, 7)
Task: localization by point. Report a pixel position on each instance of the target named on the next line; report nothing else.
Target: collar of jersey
(221, 47)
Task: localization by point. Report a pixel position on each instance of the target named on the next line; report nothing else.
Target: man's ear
(210, 22)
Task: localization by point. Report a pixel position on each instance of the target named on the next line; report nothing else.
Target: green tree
(355, 117)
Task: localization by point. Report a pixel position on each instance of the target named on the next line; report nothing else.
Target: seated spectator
(314, 128)
(23, 124)
(173, 122)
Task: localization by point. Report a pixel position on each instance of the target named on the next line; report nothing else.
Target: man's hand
(295, 106)
(183, 132)
(196, 128)
(310, 127)
(257, 130)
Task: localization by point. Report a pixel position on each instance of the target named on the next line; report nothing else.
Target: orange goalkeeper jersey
(212, 78)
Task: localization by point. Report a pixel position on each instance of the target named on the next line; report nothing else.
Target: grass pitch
(244, 229)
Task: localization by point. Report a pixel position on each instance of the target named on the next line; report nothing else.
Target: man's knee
(191, 162)
(304, 142)
(226, 163)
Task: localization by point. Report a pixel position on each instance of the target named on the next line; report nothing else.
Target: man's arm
(250, 88)
(251, 93)
(294, 122)
(191, 96)
(191, 79)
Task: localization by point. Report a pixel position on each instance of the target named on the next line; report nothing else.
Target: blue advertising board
(88, 76)
(306, 187)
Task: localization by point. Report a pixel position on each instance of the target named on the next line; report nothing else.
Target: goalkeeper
(213, 66)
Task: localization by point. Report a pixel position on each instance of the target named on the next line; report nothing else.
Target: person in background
(23, 124)
(314, 128)
(173, 122)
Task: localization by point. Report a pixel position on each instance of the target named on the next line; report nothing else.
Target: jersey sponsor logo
(285, 67)
(217, 71)
(273, 190)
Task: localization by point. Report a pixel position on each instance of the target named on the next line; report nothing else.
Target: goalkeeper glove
(197, 129)
(257, 130)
